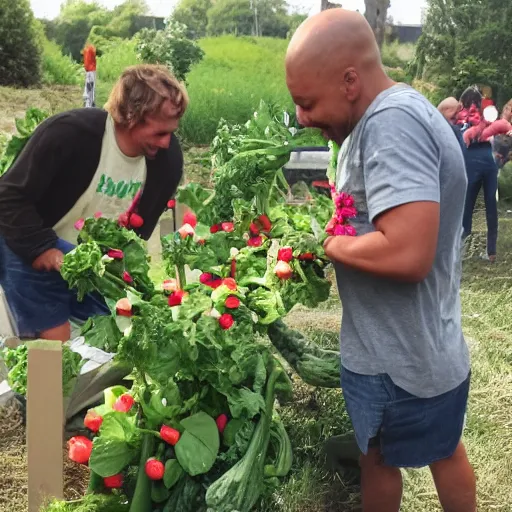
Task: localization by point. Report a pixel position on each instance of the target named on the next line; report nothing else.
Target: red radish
(115, 254)
(170, 285)
(171, 204)
(285, 254)
(215, 229)
(154, 469)
(136, 221)
(93, 421)
(232, 302)
(80, 449)
(205, 278)
(266, 225)
(124, 403)
(201, 241)
(127, 278)
(186, 230)
(215, 282)
(113, 482)
(228, 227)
(123, 220)
(283, 270)
(176, 298)
(123, 307)
(79, 224)
(226, 321)
(221, 421)
(170, 435)
(190, 218)
(255, 241)
(254, 229)
(98, 215)
(230, 283)
(307, 256)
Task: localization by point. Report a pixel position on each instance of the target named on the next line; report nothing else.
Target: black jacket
(56, 167)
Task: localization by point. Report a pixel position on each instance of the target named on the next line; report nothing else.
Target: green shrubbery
(19, 52)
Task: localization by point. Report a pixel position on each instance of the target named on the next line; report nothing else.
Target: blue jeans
(410, 431)
(482, 171)
(42, 300)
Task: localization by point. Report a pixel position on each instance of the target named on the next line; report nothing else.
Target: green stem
(180, 270)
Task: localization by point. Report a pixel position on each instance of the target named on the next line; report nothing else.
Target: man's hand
(403, 247)
(51, 259)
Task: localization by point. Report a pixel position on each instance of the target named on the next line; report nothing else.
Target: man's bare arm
(403, 246)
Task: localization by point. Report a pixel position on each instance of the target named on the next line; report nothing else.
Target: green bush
(19, 53)
(396, 55)
(116, 57)
(57, 68)
(170, 47)
(230, 81)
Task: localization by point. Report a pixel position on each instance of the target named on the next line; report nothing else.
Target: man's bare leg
(60, 333)
(455, 482)
(381, 485)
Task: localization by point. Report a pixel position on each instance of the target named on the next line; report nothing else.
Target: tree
(79, 19)
(376, 12)
(231, 17)
(169, 47)
(20, 57)
(194, 15)
(466, 42)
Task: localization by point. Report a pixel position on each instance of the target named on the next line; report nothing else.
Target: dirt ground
(13, 469)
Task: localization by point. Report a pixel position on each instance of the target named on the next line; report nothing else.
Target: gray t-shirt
(403, 151)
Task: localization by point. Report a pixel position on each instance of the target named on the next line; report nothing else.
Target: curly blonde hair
(141, 90)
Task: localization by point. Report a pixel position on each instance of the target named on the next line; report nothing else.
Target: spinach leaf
(198, 446)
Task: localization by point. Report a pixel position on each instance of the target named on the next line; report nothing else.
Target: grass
(230, 81)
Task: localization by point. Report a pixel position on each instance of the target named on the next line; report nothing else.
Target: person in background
(76, 164)
(502, 144)
(450, 108)
(481, 170)
(405, 364)
(487, 100)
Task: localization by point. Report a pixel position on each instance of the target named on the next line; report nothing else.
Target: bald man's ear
(351, 84)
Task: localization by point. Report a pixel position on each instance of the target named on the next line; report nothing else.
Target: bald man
(449, 108)
(406, 372)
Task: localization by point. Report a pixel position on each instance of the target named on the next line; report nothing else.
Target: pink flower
(97, 215)
(339, 230)
(79, 224)
(350, 230)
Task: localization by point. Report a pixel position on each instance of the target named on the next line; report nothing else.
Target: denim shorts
(410, 431)
(42, 300)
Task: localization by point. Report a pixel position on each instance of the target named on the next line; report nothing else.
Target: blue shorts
(42, 300)
(410, 431)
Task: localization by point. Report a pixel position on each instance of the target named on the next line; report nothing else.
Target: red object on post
(90, 58)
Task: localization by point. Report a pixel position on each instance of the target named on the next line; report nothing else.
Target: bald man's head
(449, 107)
(334, 71)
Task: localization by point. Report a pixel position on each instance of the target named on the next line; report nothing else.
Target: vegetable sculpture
(199, 430)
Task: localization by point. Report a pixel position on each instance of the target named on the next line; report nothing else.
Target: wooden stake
(45, 421)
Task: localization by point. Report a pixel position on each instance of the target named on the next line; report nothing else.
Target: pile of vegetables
(199, 429)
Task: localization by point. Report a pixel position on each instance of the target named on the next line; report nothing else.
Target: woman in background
(481, 169)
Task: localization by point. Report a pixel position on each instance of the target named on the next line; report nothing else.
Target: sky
(402, 11)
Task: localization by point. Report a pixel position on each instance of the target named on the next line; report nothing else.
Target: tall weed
(59, 69)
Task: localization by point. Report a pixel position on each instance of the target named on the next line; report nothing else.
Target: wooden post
(45, 422)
